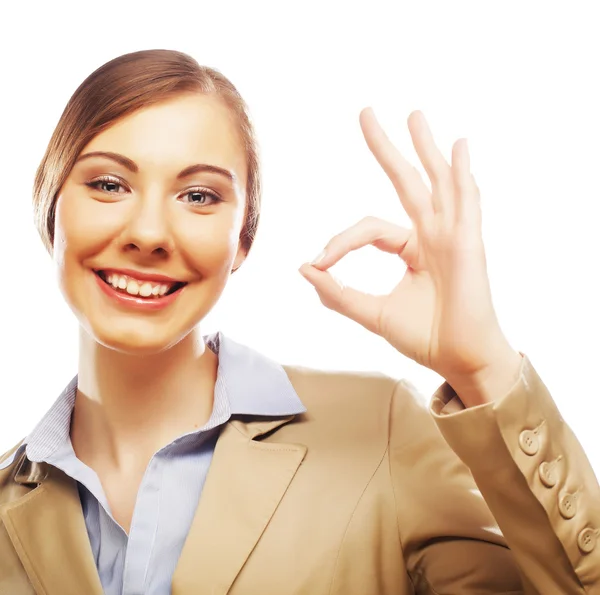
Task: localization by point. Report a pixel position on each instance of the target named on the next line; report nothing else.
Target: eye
(200, 197)
(105, 184)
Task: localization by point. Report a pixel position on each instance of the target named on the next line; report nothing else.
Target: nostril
(131, 248)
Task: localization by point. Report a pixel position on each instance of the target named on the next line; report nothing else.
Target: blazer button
(567, 506)
(548, 474)
(586, 540)
(529, 442)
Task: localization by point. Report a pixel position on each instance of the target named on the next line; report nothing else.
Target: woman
(177, 464)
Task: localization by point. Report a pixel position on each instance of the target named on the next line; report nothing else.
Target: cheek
(84, 227)
(211, 245)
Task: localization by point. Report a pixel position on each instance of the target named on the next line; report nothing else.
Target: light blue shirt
(143, 563)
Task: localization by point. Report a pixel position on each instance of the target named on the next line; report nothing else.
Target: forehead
(170, 135)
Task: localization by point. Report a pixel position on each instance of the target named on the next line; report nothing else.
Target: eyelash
(197, 190)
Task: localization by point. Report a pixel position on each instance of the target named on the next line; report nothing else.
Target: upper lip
(156, 277)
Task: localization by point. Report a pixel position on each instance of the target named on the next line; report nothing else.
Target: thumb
(329, 289)
(356, 305)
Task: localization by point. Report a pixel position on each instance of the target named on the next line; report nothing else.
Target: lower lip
(135, 302)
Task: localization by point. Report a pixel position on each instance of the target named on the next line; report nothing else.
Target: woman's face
(145, 241)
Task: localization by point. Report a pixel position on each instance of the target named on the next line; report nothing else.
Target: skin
(146, 378)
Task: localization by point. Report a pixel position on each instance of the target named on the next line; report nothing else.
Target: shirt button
(567, 506)
(548, 474)
(529, 442)
(586, 540)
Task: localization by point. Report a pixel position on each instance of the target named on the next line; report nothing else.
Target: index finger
(413, 193)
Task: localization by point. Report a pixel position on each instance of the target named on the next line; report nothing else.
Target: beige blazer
(362, 495)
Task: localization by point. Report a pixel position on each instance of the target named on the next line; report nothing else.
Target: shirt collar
(248, 383)
(254, 384)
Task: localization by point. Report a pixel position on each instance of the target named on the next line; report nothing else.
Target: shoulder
(357, 399)
(326, 388)
(366, 412)
(346, 413)
(356, 388)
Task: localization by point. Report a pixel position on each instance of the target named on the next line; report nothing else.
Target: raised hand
(441, 313)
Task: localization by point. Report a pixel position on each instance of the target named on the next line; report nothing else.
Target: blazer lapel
(246, 481)
(47, 530)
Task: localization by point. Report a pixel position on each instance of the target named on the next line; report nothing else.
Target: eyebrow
(184, 173)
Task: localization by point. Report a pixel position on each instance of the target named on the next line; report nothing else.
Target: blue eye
(201, 197)
(104, 183)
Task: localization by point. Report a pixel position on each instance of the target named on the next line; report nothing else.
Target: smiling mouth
(139, 288)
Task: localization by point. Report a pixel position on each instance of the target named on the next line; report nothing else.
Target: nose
(148, 232)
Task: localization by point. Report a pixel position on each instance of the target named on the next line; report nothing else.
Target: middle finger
(412, 191)
(437, 168)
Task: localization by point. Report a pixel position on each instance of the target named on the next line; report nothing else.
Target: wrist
(491, 383)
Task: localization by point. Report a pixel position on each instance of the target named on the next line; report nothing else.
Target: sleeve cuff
(446, 402)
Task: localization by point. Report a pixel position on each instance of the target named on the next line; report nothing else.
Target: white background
(518, 79)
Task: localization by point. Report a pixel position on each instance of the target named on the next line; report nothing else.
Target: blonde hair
(118, 88)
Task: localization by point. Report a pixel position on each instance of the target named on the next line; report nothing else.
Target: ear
(240, 257)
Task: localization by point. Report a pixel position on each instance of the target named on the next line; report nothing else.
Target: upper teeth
(137, 287)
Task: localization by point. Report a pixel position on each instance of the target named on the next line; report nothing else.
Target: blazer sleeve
(451, 543)
(535, 479)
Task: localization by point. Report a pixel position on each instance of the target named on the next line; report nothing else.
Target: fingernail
(318, 258)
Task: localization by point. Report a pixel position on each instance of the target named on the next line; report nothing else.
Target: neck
(128, 406)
